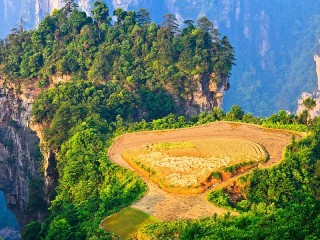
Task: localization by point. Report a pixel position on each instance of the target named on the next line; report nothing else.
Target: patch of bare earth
(187, 166)
(169, 206)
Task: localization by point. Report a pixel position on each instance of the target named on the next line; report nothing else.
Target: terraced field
(169, 206)
(187, 166)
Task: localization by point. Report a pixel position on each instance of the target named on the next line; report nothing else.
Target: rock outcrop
(9, 234)
(314, 112)
(20, 156)
(208, 94)
(317, 60)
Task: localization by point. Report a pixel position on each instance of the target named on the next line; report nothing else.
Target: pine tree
(170, 24)
(69, 5)
(101, 15)
(143, 16)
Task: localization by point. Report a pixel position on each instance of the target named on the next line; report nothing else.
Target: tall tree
(143, 16)
(170, 24)
(309, 103)
(101, 15)
(21, 24)
(69, 5)
(190, 24)
(206, 25)
(227, 57)
(120, 14)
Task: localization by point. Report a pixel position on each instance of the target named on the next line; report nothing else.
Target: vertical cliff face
(44, 8)
(20, 156)
(274, 44)
(207, 94)
(317, 60)
(315, 111)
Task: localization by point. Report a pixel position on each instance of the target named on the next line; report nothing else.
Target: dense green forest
(84, 119)
(157, 63)
(120, 71)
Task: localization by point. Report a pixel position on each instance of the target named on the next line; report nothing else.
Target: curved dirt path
(170, 206)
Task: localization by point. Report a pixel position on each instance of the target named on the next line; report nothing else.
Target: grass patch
(234, 168)
(220, 198)
(172, 145)
(216, 175)
(127, 222)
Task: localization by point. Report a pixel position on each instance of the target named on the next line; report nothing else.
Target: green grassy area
(127, 222)
(172, 145)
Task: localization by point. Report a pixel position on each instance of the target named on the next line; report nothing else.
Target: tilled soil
(177, 170)
(169, 206)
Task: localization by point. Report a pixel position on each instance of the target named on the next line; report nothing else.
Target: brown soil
(170, 206)
(185, 167)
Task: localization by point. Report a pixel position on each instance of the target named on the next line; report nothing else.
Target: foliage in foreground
(127, 222)
(90, 188)
(300, 219)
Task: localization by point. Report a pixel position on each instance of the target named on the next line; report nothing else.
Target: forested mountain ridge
(185, 70)
(274, 40)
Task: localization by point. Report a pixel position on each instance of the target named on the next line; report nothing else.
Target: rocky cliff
(314, 112)
(317, 60)
(20, 157)
(207, 94)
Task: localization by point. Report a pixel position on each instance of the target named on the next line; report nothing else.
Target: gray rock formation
(207, 95)
(18, 154)
(314, 112)
(20, 157)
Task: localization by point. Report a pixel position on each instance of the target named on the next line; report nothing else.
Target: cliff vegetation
(91, 187)
(132, 69)
(164, 64)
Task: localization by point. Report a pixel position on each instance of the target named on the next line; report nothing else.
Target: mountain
(146, 71)
(274, 41)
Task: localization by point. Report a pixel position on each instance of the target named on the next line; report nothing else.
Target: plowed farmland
(187, 167)
(168, 206)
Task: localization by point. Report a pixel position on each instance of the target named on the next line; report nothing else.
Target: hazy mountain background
(274, 41)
